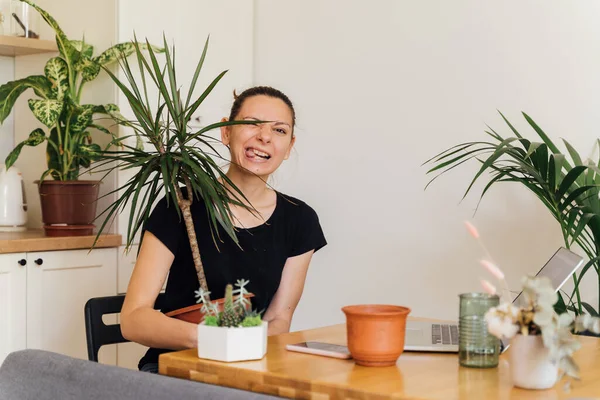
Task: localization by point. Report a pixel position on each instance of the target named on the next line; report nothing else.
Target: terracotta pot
(376, 333)
(68, 207)
(193, 314)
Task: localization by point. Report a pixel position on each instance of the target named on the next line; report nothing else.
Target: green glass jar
(476, 347)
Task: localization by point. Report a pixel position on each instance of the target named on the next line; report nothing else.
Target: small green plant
(236, 311)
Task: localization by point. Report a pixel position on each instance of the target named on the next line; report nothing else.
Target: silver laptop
(432, 337)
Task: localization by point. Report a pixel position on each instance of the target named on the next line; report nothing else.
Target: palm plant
(568, 186)
(177, 155)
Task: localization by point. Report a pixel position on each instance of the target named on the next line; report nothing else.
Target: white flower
(543, 316)
(501, 321)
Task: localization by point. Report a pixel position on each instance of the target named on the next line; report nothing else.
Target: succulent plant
(236, 312)
(231, 317)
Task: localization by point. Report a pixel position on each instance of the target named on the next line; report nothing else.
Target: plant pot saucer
(69, 230)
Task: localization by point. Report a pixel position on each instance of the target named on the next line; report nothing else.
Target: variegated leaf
(89, 68)
(109, 109)
(53, 159)
(101, 128)
(10, 91)
(46, 111)
(81, 119)
(88, 153)
(65, 47)
(106, 109)
(57, 72)
(121, 50)
(36, 137)
(85, 49)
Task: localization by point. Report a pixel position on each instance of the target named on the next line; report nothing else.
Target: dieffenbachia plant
(68, 123)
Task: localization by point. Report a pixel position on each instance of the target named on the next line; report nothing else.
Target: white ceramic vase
(530, 363)
(232, 344)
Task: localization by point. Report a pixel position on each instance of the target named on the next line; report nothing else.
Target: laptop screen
(559, 269)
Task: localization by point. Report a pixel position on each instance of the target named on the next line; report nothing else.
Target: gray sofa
(41, 375)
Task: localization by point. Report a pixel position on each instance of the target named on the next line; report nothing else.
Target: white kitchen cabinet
(44, 299)
(13, 303)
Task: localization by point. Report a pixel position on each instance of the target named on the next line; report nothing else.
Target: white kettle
(13, 205)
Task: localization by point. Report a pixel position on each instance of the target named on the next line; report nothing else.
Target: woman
(276, 246)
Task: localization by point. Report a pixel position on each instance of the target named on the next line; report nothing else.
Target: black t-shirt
(292, 229)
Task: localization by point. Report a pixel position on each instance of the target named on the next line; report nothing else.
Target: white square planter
(232, 344)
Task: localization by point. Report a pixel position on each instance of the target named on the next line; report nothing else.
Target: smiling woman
(276, 241)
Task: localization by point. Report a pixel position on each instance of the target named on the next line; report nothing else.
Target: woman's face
(260, 148)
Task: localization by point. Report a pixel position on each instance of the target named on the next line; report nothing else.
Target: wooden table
(415, 376)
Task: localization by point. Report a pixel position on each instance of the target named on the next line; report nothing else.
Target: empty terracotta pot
(376, 333)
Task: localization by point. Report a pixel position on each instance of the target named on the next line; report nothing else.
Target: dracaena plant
(68, 123)
(565, 184)
(167, 151)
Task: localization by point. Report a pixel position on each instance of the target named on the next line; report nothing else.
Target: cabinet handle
(22, 262)
(39, 261)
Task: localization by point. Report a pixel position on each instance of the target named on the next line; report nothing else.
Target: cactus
(231, 316)
(236, 313)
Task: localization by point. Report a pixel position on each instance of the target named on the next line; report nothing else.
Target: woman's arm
(281, 310)
(140, 322)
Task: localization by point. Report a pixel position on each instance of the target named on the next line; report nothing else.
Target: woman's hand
(140, 322)
(281, 310)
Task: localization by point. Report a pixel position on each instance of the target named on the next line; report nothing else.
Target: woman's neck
(252, 186)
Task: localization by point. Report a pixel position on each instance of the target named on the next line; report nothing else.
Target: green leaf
(569, 179)
(36, 137)
(89, 69)
(65, 47)
(555, 170)
(57, 72)
(583, 222)
(46, 111)
(81, 118)
(574, 155)
(510, 126)
(10, 92)
(541, 133)
(589, 309)
(85, 49)
(88, 153)
(120, 50)
(533, 146)
(53, 158)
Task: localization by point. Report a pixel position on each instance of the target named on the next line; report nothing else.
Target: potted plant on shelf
(567, 185)
(177, 155)
(68, 203)
(231, 330)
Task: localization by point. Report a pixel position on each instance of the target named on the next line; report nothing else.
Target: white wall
(382, 86)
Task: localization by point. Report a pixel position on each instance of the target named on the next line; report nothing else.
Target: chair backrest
(99, 334)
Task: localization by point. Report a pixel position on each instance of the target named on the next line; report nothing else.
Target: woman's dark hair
(260, 91)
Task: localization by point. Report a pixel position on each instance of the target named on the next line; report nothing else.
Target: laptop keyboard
(444, 334)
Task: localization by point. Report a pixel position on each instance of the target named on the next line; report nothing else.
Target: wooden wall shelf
(11, 46)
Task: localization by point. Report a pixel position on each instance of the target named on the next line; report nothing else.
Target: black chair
(97, 332)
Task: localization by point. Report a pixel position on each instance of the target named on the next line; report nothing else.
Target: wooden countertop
(415, 376)
(35, 240)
